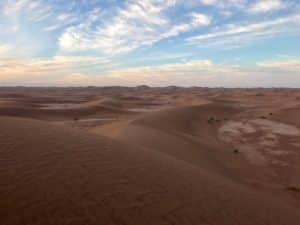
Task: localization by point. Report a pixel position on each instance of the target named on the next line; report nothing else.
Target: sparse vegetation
(293, 188)
(259, 94)
(211, 120)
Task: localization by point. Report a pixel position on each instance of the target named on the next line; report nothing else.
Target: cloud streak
(236, 34)
(264, 6)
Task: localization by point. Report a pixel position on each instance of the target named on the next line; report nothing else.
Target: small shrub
(293, 188)
(236, 151)
(211, 120)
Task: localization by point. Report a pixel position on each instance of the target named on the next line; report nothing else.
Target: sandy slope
(54, 175)
(206, 136)
(186, 133)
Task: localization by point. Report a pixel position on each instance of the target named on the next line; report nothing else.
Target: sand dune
(53, 175)
(169, 166)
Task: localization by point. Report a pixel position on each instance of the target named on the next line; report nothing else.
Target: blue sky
(231, 43)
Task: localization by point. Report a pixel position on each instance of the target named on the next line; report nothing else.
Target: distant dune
(178, 161)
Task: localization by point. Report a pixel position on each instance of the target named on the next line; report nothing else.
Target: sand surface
(132, 156)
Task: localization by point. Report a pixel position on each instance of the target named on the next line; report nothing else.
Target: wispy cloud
(26, 70)
(281, 66)
(35, 11)
(224, 3)
(198, 20)
(13, 7)
(263, 6)
(238, 34)
(139, 23)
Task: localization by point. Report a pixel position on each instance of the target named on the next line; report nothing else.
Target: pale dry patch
(276, 127)
(237, 127)
(252, 153)
(259, 140)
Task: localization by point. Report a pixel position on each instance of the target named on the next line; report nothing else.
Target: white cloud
(282, 66)
(263, 6)
(238, 34)
(140, 23)
(52, 27)
(209, 2)
(224, 3)
(34, 11)
(26, 70)
(198, 20)
(13, 7)
(37, 13)
(64, 16)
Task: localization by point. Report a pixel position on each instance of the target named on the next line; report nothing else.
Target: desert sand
(156, 156)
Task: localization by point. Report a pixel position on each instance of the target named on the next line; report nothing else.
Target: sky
(211, 43)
